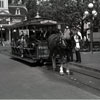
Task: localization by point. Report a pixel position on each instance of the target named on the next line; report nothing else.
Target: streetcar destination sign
(48, 21)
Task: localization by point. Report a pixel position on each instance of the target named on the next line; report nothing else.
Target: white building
(10, 14)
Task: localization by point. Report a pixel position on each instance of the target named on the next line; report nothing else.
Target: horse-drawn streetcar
(29, 39)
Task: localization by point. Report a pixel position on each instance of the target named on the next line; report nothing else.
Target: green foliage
(70, 12)
(32, 8)
(9, 1)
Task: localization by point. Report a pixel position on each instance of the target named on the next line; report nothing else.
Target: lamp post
(92, 13)
(37, 14)
(1, 33)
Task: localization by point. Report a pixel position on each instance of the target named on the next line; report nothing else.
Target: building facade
(10, 13)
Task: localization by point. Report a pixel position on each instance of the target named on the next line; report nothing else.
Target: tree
(32, 8)
(70, 12)
(9, 1)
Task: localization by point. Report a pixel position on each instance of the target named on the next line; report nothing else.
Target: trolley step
(24, 59)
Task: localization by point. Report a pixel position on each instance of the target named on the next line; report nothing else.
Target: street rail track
(76, 81)
(87, 77)
(87, 84)
(84, 76)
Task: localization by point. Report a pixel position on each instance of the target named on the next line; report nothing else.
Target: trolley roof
(35, 22)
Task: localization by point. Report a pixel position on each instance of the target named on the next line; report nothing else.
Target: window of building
(17, 11)
(1, 4)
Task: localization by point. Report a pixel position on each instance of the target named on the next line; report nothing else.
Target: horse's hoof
(62, 74)
(68, 72)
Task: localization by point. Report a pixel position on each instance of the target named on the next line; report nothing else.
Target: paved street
(20, 81)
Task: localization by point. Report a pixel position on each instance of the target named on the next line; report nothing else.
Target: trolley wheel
(40, 62)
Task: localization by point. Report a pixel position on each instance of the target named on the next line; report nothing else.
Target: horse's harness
(62, 42)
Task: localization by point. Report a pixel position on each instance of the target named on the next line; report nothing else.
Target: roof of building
(2, 12)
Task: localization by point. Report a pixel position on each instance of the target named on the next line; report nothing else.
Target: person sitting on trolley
(22, 44)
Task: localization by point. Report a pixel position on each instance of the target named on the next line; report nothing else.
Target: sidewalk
(89, 61)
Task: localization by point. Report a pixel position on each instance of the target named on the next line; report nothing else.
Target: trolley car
(29, 39)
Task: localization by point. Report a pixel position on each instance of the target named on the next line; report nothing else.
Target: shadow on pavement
(25, 62)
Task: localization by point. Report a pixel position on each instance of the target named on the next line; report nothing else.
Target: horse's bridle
(62, 42)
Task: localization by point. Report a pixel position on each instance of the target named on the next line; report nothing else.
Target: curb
(84, 66)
